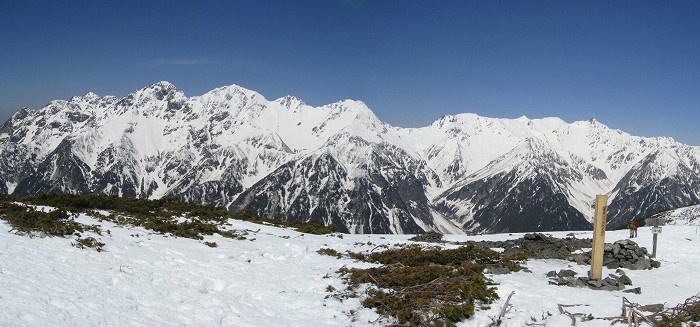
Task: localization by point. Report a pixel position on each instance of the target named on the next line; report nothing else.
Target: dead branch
(570, 314)
(372, 277)
(690, 307)
(421, 286)
(631, 315)
(506, 306)
(378, 246)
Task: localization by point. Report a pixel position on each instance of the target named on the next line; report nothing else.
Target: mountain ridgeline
(339, 164)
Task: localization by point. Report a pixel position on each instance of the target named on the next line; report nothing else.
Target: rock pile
(540, 246)
(621, 254)
(614, 282)
(430, 236)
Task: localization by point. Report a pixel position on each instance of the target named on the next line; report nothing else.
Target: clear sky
(633, 65)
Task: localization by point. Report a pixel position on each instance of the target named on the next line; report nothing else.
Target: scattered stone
(609, 288)
(567, 277)
(558, 281)
(655, 264)
(431, 236)
(577, 282)
(636, 290)
(612, 284)
(566, 273)
(652, 307)
(595, 283)
(625, 280)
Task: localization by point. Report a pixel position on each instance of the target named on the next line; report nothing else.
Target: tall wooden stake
(601, 211)
(656, 237)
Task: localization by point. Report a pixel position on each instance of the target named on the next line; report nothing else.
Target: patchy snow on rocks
(682, 216)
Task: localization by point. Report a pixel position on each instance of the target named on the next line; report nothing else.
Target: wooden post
(656, 230)
(601, 211)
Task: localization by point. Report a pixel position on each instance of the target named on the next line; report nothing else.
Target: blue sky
(633, 65)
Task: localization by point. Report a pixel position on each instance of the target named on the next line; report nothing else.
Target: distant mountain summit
(339, 164)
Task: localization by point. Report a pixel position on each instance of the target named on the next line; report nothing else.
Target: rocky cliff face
(340, 164)
(661, 181)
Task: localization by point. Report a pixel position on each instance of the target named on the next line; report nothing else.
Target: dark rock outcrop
(613, 282)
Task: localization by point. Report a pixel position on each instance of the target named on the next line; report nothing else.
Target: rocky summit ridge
(340, 164)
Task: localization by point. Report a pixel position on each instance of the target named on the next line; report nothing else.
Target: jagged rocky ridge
(685, 216)
(340, 164)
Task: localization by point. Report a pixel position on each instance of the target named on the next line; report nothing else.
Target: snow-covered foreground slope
(276, 278)
(152, 280)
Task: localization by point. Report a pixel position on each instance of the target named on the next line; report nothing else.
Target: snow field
(164, 281)
(278, 279)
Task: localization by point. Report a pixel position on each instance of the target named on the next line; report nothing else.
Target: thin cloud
(184, 62)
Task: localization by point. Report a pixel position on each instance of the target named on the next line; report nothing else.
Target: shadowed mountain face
(676, 184)
(339, 164)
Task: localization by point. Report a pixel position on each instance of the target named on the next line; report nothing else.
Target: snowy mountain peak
(161, 89)
(89, 96)
(290, 102)
(162, 85)
(361, 109)
(232, 97)
(231, 89)
(339, 162)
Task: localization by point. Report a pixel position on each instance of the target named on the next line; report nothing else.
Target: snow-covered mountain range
(340, 164)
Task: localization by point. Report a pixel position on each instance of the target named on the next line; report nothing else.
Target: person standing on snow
(633, 232)
(630, 226)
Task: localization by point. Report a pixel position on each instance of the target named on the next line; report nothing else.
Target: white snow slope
(278, 279)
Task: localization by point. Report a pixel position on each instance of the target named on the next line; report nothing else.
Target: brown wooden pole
(601, 211)
(656, 236)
